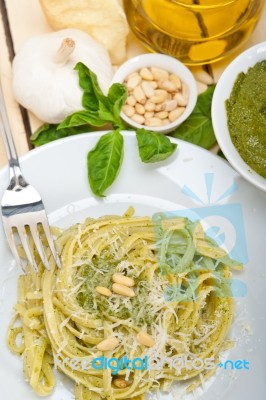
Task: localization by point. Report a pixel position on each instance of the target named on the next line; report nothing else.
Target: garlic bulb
(44, 79)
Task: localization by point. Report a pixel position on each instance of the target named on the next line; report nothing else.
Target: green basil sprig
(107, 109)
(99, 110)
(105, 160)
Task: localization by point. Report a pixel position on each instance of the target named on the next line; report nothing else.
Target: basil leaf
(107, 108)
(104, 162)
(117, 95)
(89, 83)
(197, 130)
(110, 107)
(205, 101)
(198, 127)
(48, 133)
(154, 146)
(106, 114)
(81, 118)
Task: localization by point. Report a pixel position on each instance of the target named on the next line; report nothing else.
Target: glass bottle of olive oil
(194, 31)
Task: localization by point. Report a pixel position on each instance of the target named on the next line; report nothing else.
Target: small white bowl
(171, 65)
(222, 92)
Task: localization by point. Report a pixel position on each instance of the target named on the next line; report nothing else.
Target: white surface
(219, 118)
(59, 173)
(171, 65)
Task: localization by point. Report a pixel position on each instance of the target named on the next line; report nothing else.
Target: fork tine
(50, 240)
(24, 241)
(21, 202)
(39, 246)
(12, 244)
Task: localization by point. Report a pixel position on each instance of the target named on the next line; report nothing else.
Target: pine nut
(131, 76)
(120, 383)
(160, 92)
(185, 92)
(169, 105)
(139, 95)
(131, 101)
(146, 74)
(173, 115)
(204, 77)
(176, 80)
(133, 82)
(148, 114)
(145, 339)
(157, 99)
(162, 114)
(159, 74)
(140, 109)
(154, 84)
(149, 106)
(153, 122)
(167, 85)
(104, 291)
(138, 118)
(108, 344)
(128, 110)
(159, 107)
(122, 289)
(124, 280)
(181, 101)
(147, 89)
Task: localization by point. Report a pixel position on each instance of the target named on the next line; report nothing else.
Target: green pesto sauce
(86, 297)
(246, 113)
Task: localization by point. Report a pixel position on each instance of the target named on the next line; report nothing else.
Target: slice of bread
(104, 20)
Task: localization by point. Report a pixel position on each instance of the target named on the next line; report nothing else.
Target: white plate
(192, 178)
(222, 92)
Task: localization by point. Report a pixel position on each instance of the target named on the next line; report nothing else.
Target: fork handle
(7, 135)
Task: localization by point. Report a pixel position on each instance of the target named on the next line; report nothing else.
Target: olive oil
(194, 31)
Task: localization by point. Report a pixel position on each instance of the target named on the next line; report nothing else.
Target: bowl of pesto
(239, 114)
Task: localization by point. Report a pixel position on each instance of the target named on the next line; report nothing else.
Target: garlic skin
(44, 80)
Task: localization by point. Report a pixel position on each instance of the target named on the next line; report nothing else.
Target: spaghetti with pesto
(178, 303)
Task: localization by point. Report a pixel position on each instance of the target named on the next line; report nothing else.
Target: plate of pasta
(160, 290)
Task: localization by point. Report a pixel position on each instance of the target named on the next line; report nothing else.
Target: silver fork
(22, 208)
